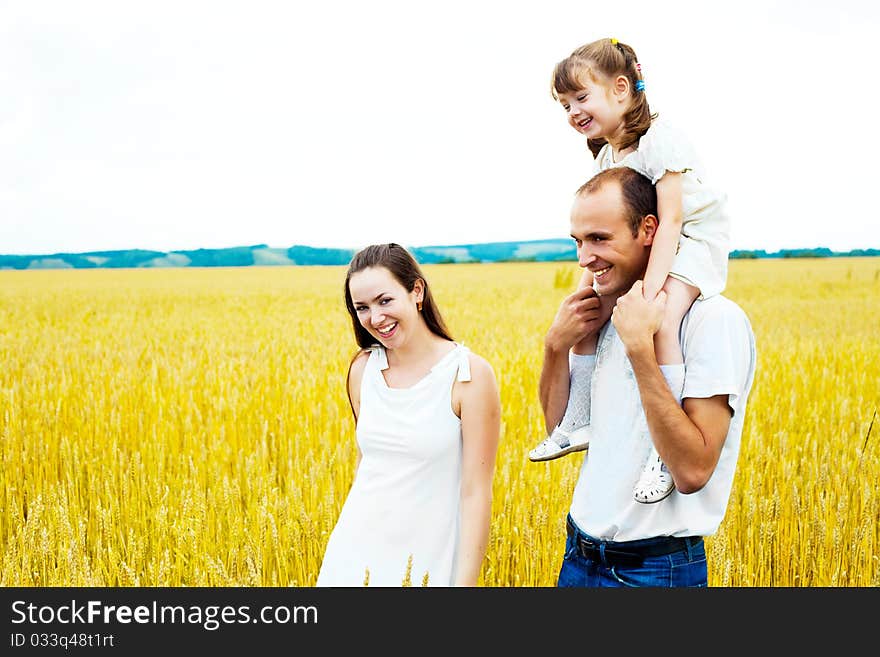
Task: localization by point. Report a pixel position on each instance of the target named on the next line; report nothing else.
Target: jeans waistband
(628, 552)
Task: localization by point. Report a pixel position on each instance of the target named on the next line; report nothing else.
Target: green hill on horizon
(549, 250)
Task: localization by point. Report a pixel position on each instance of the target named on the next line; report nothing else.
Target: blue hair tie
(640, 85)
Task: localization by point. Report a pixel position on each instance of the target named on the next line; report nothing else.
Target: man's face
(605, 243)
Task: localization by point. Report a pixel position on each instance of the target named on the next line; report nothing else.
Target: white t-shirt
(704, 245)
(719, 358)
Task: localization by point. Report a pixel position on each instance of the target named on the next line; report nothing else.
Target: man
(614, 540)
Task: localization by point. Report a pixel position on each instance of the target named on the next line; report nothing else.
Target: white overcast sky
(184, 124)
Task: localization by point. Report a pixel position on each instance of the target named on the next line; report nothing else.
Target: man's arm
(553, 384)
(577, 317)
(688, 438)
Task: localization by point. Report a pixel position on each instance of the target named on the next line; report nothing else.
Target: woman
(427, 413)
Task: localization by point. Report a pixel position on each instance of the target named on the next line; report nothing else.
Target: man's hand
(578, 316)
(637, 319)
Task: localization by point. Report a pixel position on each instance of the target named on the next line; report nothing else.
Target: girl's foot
(656, 483)
(561, 442)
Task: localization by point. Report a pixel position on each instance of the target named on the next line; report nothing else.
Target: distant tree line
(554, 250)
(819, 252)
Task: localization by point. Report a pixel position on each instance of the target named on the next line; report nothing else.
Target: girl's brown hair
(606, 58)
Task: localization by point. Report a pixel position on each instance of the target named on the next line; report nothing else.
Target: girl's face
(383, 306)
(596, 110)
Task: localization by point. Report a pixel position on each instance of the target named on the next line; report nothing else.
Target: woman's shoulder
(358, 364)
(477, 362)
(363, 354)
(481, 371)
(479, 389)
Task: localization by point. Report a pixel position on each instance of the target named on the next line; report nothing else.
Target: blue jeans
(683, 568)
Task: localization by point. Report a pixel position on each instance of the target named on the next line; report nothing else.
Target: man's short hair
(639, 194)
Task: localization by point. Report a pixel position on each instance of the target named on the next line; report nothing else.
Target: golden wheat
(189, 427)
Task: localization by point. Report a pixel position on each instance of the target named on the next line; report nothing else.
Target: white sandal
(561, 442)
(656, 483)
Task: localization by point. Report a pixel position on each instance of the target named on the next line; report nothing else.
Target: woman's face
(383, 306)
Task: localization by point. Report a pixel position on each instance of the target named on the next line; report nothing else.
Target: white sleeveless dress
(404, 501)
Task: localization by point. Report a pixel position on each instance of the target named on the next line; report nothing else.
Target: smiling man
(614, 541)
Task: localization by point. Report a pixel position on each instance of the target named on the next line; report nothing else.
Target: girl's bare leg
(679, 298)
(656, 482)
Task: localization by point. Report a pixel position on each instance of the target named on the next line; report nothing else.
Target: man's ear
(649, 229)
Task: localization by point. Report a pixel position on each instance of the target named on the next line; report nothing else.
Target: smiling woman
(427, 413)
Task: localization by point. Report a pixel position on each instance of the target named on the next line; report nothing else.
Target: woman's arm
(480, 412)
(667, 235)
(353, 386)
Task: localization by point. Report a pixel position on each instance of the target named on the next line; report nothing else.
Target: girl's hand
(637, 319)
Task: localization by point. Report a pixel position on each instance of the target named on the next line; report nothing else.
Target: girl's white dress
(404, 501)
(704, 245)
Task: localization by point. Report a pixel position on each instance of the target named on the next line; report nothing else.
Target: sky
(188, 124)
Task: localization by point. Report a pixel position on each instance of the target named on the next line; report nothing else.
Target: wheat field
(189, 427)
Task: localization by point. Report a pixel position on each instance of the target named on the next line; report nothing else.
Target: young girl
(601, 87)
(428, 417)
